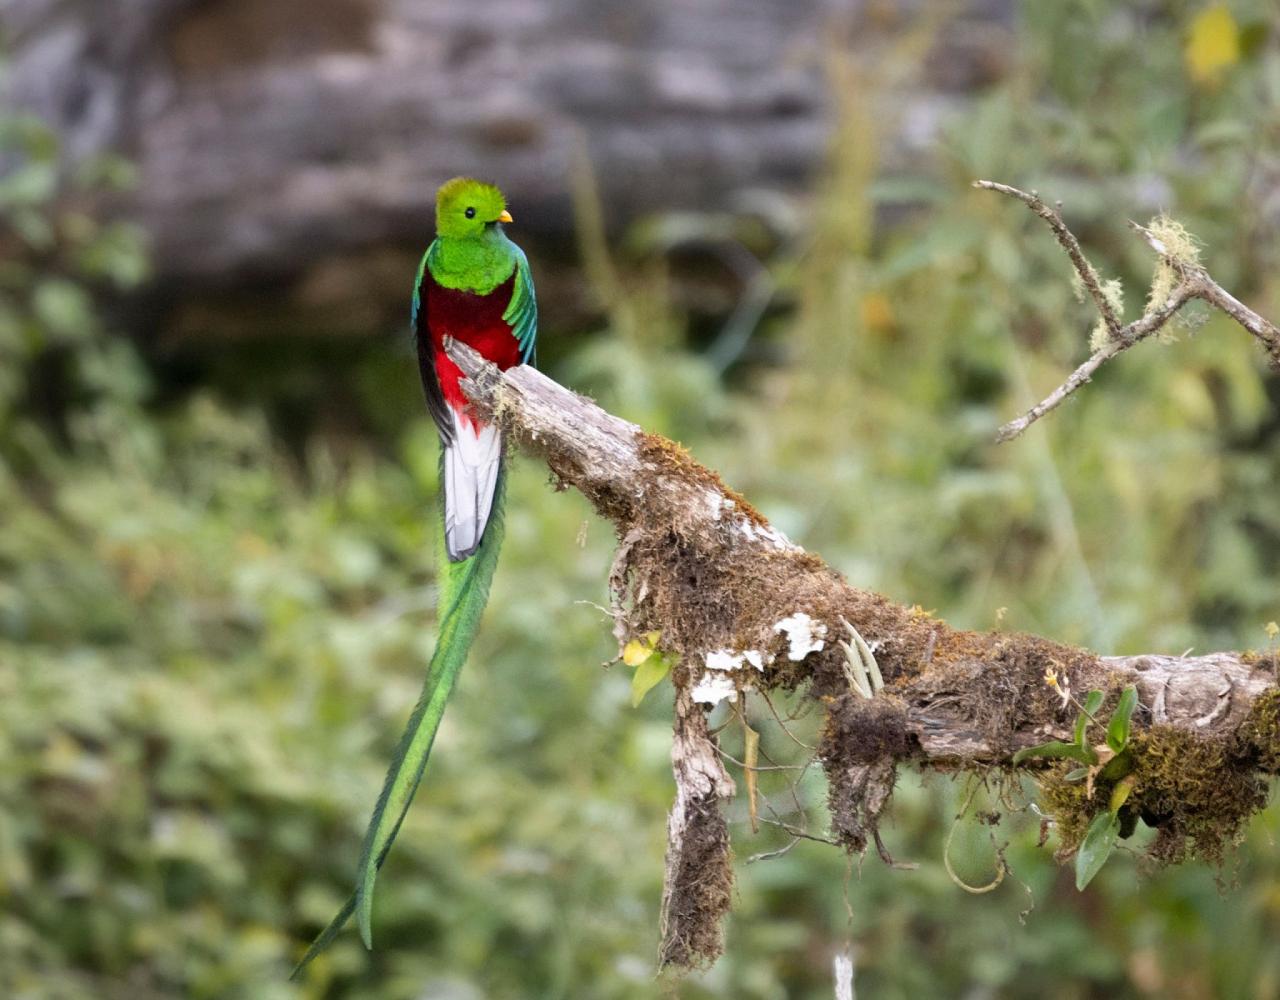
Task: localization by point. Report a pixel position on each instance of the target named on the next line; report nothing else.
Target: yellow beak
(505, 216)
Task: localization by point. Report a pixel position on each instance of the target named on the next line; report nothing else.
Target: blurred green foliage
(209, 641)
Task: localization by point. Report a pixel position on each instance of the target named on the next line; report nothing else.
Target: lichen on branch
(1179, 277)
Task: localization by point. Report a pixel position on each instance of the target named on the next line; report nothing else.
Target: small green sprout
(1110, 761)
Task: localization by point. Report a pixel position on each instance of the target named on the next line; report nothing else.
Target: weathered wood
(1210, 695)
(698, 884)
(742, 608)
(601, 456)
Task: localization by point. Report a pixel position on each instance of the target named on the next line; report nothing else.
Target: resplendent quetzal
(473, 285)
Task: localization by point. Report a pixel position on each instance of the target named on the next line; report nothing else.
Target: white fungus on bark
(727, 659)
(804, 635)
(717, 683)
(713, 688)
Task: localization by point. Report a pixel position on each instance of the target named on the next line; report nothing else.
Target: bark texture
(633, 478)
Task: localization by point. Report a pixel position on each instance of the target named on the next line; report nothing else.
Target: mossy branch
(734, 598)
(1179, 278)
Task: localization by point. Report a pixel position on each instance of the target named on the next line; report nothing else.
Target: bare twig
(793, 737)
(796, 831)
(1132, 334)
(1194, 282)
(1069, 243)
(758, 767)
(770, 855)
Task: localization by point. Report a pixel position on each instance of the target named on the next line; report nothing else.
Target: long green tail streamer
(464, 592)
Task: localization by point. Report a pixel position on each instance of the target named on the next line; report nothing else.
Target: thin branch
(770, 855)
(1194, 283)
(1069, 243)
(1261, 327)
(778, 718)
(1134, 333)
(756, 767)
(795, 831)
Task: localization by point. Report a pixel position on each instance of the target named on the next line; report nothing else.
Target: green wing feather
(417, 286)
(522, 311)
(464, 591)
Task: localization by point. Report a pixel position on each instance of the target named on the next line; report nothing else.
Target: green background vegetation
(213, 621)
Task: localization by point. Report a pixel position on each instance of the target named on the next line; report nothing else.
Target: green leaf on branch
(1092, 702)
(1096, 847)
(1118, 728)
(1120, 794)
(649, 674)
(650, 663)
(637, 651)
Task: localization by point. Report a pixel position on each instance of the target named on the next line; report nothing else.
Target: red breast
(477, 321)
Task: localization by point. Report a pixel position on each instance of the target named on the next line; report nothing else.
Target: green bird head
(466, 207)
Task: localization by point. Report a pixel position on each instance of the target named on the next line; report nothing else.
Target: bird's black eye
(470, 213)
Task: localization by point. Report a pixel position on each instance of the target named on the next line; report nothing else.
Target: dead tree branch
(1053, 216)
(744, 608)
(1192, 281)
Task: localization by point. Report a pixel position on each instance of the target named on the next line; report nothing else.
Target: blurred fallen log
(288, 152)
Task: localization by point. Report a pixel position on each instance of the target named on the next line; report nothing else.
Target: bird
(473, 285)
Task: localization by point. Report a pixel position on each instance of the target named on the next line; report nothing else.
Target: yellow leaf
(1213, 45)
(636, 652)
(1120, 794)
(876, 312)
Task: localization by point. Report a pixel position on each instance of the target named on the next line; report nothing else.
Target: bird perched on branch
(473, 285)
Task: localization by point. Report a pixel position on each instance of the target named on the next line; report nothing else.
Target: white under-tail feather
(471, 463)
